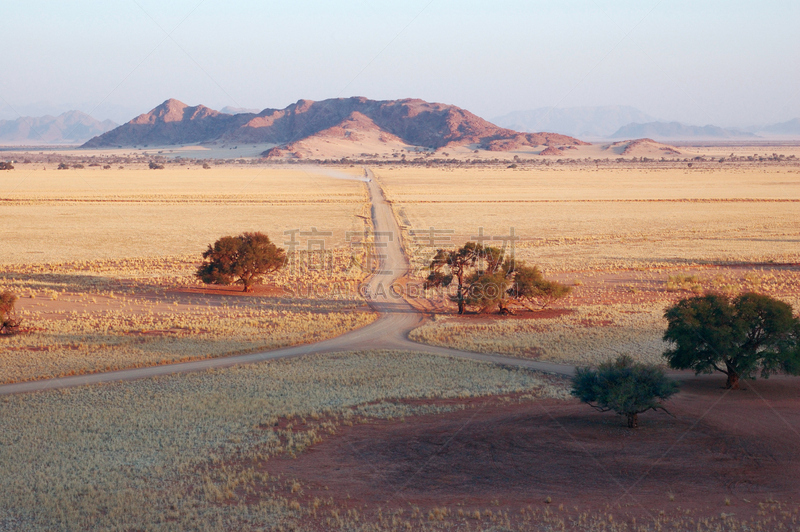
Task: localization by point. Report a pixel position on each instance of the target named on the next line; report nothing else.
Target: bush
(6, 166)
(626, 387)
(155, 166)
(63, 166)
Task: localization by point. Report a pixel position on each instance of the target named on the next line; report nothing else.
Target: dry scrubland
(183, 452)
(632, 240)
(103, 262)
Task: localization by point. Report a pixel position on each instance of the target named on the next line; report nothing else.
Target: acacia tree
(488, 279)
(9, 323)
(454, 265)
(626, 387)
(739, 337)
(242, 259)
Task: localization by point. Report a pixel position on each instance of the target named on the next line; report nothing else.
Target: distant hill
(355, 124)
(72, 127)
(792, 127)
(642, 148)
(678, 131)
(597, 122)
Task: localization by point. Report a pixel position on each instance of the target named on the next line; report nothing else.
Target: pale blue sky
(731, 63)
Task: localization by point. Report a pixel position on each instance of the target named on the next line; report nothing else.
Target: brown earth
(723, 452)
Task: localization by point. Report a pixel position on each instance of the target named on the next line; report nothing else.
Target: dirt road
(390, 331)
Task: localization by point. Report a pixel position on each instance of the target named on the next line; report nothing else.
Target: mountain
(792, 127)
(678, 131)
(71, 127)
(347, 120)
(172, 122)
(574, 121)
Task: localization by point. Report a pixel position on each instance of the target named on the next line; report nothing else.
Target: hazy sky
(700, 61)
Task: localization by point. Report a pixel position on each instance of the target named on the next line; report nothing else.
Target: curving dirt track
(390, 331)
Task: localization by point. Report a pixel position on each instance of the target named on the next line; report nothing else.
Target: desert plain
(103, 263)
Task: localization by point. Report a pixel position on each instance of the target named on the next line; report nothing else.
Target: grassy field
(620, 236)
(103, 263)
(92, 214)
(607, 219)
(147, 454)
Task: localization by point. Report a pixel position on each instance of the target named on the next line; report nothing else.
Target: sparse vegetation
(740, 337)
(128, 296)
(104, 315)
(625, 387)
(129, 455)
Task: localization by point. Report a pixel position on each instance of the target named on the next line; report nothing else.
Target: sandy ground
(723, 453)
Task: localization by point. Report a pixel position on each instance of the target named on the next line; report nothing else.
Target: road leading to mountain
(390, 331)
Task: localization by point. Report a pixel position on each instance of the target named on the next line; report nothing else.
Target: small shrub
(690, 283)
(626, 387)
(155, 166)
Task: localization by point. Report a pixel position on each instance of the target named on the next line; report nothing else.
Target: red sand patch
(743, 446)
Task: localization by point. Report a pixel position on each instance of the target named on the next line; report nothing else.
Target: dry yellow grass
(106, 315)
(633, 227)
(570, 219)
(145, 454)
(103, 261)
(72, 215)
(593, 333)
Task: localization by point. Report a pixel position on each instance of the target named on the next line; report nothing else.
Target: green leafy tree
(739, 337)
(9, 323)
(242, 259)
(626, 387)
(454, 265)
